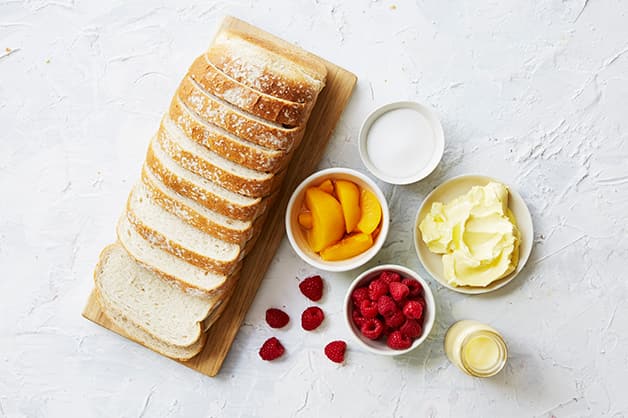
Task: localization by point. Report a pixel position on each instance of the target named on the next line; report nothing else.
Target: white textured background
(532, 92)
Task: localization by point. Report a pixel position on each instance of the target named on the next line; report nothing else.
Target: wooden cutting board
(329, 106)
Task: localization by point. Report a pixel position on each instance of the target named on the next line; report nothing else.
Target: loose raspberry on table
(377, 289)
(389, 277)
(396, 340)
(372, 328)
(271, 349)
(411, 329)
(415, 287)
(311, 318)
(368, 308)
(395, 320)
(358, 295)
(277, 318)
(312, 288)
(398, 291)
(386, 306)
(335, 351)
(413, 309)
(357, 317)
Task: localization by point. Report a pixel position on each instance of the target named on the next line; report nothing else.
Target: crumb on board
(393, 7)
(48, 61)
(7, 49)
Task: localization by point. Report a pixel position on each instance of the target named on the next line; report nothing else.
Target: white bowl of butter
(488, 243)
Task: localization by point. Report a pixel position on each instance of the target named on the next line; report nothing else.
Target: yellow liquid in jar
(481, 353)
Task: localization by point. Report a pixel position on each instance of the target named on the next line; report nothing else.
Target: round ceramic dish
(452, 189)
(297, 237)
(402, 142)
(379, 346)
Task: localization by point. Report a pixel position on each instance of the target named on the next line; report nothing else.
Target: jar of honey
(476, 348)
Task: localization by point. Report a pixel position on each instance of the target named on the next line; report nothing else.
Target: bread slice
(189, 277)
(139, 335)
(195, 187)
(170, 233)
(232, 119)
(200, 160)
(156, 306)
(268, 67)
(224, 143)
(209, 221)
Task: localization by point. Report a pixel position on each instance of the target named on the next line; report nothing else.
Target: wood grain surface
(329, 106)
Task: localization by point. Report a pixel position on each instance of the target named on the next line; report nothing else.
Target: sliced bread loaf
(212, 222)
(139, 335)
(189, 277)
(288, 113)
(233, 119)
(170, 233)
(195, 187)
(153, 304)
(206, 163)
(224, 143)
(274, 67)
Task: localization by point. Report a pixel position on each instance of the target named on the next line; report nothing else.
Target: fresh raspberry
(395, 320)
(415, 287)
(372, 328)
(368, 309)
(311, 318)
(386, 306)
(271, 349)
(377, 289)
(277, 318)
(413, 309)
(358, 295)
(358, 319)
(335, 351)
(411, 329)
(389, 277)
(398, 291)
(312, 288)
(397, 341)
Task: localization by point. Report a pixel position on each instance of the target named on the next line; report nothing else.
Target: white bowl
(412, 142)
(450, 190)
(379, 346)
(297, 237)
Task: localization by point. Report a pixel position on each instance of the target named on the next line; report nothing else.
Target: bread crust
(220, 84)
(235, 120)
(205, 168)
(264, 160)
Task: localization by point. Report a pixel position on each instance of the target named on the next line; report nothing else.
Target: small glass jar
(475, 348)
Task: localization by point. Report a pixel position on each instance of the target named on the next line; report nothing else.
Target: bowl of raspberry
(390, 310)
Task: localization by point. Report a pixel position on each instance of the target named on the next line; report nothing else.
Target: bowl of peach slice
(337, 219)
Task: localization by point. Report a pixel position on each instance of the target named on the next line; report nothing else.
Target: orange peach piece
(328, 222)
(348, 247)
(305, 220)
(327, 186)
(371, 212)
(349, 196)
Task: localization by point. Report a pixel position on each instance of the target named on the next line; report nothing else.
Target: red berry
(271, 349)
(377, 289)
(413, 309)
(312, 288)
(277, 318)
(358, 295)
(368, 308)
(386, 306)
(411, 329)
(372, 328)
(358, 319)
(398, 291)
(311, 318)
(335, 351)
(395, 320)
(415, 287)
(397, 341)
(389, 277)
